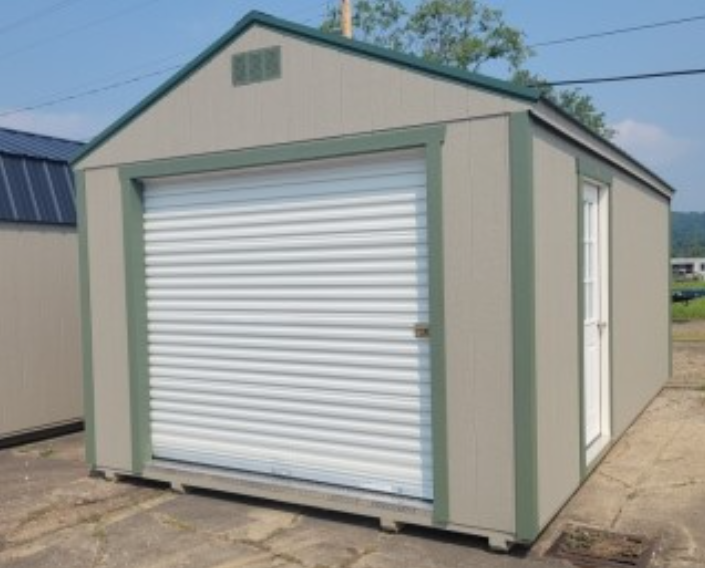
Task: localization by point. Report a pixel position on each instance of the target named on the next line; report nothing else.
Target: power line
(624, 78)
(71, 31)
(36, 15)
(57, 97)
(619, 31)
(89, 92)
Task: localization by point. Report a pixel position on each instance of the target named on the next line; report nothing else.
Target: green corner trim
(430, 139)
(320, 38)
(86, 327)
(669, 273)
(524, 326)
(136, 303)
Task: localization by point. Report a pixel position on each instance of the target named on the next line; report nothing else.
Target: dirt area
(689, 354)
(52, 514)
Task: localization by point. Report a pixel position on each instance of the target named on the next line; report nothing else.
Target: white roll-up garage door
(281, 313)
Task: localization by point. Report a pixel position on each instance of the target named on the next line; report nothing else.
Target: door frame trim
(596, 174)
(132, 178)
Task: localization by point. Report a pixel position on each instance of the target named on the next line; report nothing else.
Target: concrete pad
(327, 539)
(229, 517)
(651, 483)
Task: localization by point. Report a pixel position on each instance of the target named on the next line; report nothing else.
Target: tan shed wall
(40, 347)
(557, 343)
(640, 299)
(323, 93)
(106, 262)
(640, 309)
(478, 323)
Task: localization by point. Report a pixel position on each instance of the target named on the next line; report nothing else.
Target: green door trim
(86, 318)
(132, 177)
(521, 161)
(590, 171)
(136, 305)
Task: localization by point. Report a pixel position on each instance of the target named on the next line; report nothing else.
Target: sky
(55, 49)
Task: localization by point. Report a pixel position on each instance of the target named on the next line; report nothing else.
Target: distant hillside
(688, 234)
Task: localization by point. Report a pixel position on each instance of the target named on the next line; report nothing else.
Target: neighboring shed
(40, 347)
(326, 273)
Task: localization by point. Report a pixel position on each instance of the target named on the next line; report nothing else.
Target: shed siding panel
(108, 320)
(40, 358)
(478, 324)
(319, 95)
(640, 303)
(557, 326)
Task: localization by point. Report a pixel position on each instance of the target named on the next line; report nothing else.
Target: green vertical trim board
(581, 330)
(136, 302)
(434, 168)
(524, 326)
(86, 327)
(132, 176)
(610, 302)
(669, 316)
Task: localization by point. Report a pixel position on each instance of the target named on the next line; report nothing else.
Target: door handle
(422, 331)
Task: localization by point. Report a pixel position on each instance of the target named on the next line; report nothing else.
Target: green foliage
(380, 22)
(688, 234)
(464, 33)
(694, 310)
(460, 33)
(577, 103)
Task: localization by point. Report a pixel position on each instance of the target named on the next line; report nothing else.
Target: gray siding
(108, 320)
(478, 324)
(639, 315)
(557, 343)
(40, 357)
(640, 299)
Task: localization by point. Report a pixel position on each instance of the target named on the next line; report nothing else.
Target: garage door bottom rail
(366, 503)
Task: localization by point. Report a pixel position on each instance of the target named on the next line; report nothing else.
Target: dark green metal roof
(395, 58)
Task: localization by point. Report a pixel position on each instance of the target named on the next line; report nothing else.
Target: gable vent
(257, 66)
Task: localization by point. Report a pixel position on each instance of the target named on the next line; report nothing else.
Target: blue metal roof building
(36, 182)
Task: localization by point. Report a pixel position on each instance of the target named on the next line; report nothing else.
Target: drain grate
(591, 548)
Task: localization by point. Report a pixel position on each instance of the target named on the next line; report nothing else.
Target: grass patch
(693, 310)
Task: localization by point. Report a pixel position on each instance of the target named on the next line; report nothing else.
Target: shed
(326, 273)
(40, 345)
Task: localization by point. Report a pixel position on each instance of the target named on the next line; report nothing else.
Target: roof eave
(602, 140)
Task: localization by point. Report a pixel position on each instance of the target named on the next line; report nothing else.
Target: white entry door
(595, 371)
(282, 306)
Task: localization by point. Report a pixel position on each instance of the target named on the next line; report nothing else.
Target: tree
(574, 101)
(460, 33)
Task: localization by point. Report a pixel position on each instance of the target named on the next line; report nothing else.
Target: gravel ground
(688, 355)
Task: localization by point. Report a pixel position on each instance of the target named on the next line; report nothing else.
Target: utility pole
(346, 18)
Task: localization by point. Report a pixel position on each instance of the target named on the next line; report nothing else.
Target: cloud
(71, 125)
(651, 143)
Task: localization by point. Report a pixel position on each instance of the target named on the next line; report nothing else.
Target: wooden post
(346, 18)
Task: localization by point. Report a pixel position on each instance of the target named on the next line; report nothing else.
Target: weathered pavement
(53, 515)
